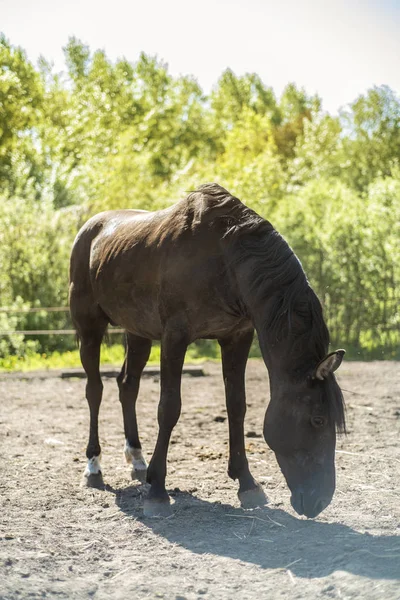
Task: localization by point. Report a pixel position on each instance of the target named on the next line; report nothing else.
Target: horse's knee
(94, 385)
(94, 393)
(169, 411)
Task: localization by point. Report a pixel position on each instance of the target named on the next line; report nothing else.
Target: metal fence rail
(36, 309)
(50, 331)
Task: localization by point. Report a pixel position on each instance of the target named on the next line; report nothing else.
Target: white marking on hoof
(135, 458)
(93, 466)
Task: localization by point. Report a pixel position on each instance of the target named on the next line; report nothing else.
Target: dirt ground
(61, 540)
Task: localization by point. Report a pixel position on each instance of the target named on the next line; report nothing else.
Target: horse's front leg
(173, 349)
(235, 351)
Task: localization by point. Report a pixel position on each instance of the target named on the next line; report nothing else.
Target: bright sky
(337, 48)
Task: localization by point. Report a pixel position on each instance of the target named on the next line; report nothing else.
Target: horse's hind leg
(235, 351)
(90, 337)
(137, 355)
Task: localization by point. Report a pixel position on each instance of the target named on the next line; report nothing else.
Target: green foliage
(349, 245)
(108, 135)
(110, 355)
(35, 242)
(371, 147)
(21, 94)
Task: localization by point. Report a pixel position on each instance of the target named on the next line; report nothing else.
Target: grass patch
(114, 355)
(110, 355)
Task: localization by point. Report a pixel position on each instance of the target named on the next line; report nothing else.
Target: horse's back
(115, 268)
(103, 223)
(142, 267)
(122, 229)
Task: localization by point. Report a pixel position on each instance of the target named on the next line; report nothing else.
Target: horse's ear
(329, 364)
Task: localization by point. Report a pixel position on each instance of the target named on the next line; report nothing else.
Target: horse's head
(306, 406)
(300, 427)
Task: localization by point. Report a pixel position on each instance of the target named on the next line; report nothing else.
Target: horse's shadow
(268, 537)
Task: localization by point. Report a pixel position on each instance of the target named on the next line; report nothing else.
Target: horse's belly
(132, 309)
(144, 326)
(218, 325)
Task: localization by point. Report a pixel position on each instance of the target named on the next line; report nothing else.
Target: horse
(209, 267)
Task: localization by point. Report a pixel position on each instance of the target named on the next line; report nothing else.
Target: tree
(317, 149)
(371, 145)
(21, 95)
(295, 108)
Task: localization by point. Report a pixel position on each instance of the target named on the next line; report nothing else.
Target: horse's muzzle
(311, 482)
(309, 503)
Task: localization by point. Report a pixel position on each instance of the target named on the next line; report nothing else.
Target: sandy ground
(60, 540)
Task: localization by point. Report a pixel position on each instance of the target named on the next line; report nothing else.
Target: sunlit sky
(336, 48)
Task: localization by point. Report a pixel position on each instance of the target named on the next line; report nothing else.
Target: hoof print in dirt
(155, 508)
(93, 481)
(253, 498)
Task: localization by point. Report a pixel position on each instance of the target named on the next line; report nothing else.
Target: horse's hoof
(253, 498)
(139, 475)
(157, 508)
(93, 480)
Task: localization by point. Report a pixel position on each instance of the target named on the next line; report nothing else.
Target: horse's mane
(273, 271)
(274, 275)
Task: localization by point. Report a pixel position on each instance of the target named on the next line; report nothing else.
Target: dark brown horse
(209, 267)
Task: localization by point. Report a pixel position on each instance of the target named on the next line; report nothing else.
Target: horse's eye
(318, 422)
